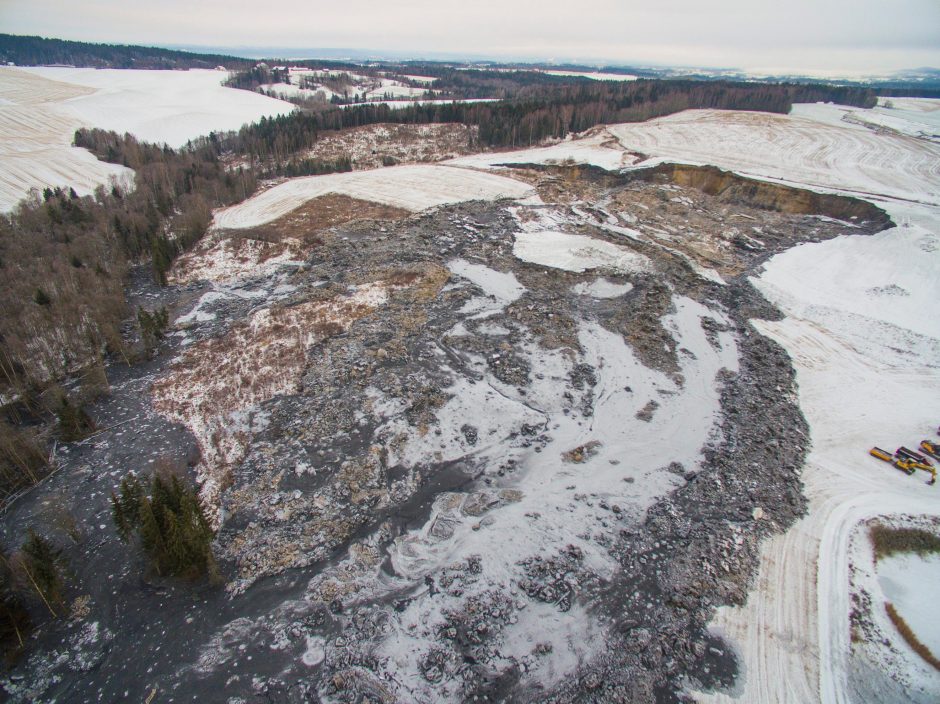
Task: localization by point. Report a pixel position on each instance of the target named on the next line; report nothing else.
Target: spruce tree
(74, 423)
(170, 524)
(40, 564)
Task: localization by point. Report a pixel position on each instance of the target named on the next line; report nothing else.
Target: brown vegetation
(888, 541)
(910, 637)
(322, 213)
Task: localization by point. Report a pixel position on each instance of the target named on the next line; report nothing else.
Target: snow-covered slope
(915, 117)
(596, 75)
(161, 106)
(36, 137)
(798, 150)
(598, 149)
(40, 109)
(414, 187)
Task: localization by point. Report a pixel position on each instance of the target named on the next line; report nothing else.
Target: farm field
(42, 108)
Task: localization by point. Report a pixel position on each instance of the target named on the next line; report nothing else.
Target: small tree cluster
(74, 422)
(14, 617)
(153, 326)
(170, 524)
(40, 565)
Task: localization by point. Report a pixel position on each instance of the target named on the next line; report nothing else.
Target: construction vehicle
(931, 448)
(915, 460)
(909, 454)
(902, 464)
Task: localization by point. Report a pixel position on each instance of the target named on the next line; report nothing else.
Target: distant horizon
(806, 37)
(300, 53)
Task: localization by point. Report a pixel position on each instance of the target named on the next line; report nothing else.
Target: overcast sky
(831, 35)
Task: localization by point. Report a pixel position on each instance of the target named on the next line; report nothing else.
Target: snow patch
(903, 579)
(602, 288)
(576, 253)
(413, 187)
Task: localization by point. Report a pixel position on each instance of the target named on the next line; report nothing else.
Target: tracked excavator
(931, 448)
(906, 461)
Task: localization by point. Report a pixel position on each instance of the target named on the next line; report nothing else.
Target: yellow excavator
(906, 461)
(903, 464)
(918, 461)
(931, 448)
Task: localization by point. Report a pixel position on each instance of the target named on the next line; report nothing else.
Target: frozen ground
(563, 250)
(915, 117)
(902, 579)
(596, 75)
(42, 108)
(449, 462)
(794, 149)
(867, 360)
(883, 667)
(36, 138)
(394, 104)
(169, 107)
(414, 187)
(599, 149)
(289, 90)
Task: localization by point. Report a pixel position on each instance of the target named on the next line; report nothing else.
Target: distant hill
(39, 51)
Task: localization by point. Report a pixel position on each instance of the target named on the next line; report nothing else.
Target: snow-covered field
(36, 138)
(394, 89)
(289, 90)
(866, 346)
(42, 107)
(902, 579)
(915, 117)
(596, 75)
(408, 103)
(795, 149)
(598, 149)
(413, 187)
(161, 106)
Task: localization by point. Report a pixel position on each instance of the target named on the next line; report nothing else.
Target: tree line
(40, 51)
(539, 111)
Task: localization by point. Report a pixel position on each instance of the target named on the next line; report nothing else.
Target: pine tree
(14, 617)
(74, 423)
(170, 523)
(125, 509)
(40, 563)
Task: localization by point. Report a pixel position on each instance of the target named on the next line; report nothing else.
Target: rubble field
(516, 450)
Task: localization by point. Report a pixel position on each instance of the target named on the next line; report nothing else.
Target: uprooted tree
(169, 523)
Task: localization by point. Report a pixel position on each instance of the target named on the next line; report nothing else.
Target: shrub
(153, 326)
(74, 423)
(910, 637)
(888, 541)
(41, 297)
(14, 618)
(170, 524)
(38, 567)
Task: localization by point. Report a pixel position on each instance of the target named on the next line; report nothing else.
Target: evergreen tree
(152, 326)
(170, 524)
(74, 423)
(40, 564)
(14, 618)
